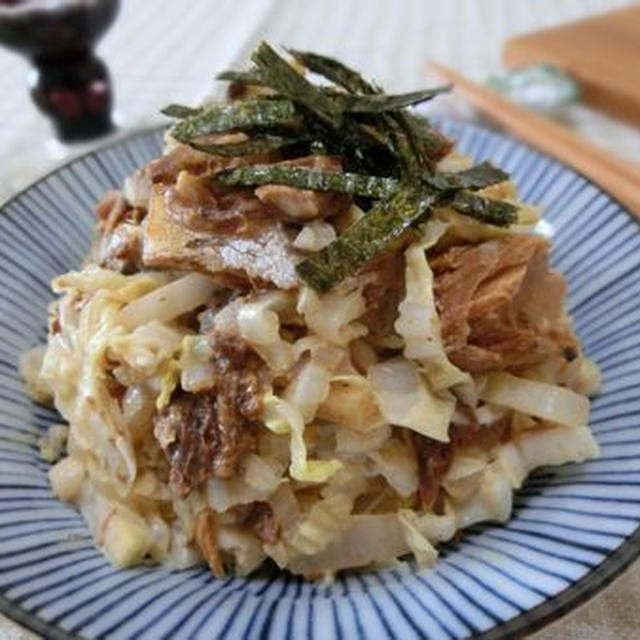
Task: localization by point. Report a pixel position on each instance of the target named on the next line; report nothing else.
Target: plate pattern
(573, 528)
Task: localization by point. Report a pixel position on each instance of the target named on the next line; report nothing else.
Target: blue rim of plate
(593, 582)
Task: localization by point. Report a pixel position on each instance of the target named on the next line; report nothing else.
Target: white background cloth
(162, 51)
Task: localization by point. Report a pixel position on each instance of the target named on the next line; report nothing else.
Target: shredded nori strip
(255, 144)
(381, 102)
(246, 114)
(412, 137)
(278, 74)
(344, 134)
(334, 71)
(399, 129)
(180, 111)
(315, 179)
(478, 177)
(385, 222)
(486, 210)
(434, 143)
(408, 143)
(241, 77)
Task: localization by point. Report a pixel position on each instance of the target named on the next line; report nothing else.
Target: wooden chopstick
(617, 176)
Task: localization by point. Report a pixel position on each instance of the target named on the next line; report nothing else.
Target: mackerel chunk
(264, 257)
(305, 204)
(500, 305)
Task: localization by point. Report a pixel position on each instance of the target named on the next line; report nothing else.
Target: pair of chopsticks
(614, 174)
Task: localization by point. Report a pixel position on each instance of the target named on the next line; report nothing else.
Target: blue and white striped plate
(573, 529)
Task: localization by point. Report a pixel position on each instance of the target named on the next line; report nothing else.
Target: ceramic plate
(573, 528)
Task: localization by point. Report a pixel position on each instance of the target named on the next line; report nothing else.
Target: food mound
(310, 331)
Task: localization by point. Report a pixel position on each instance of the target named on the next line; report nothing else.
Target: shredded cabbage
(462, 228)
(512, 464)
(222, 493)
(492, 501)
(418, 322)
(421, 531)
(308, 389)
(329, 516)
(114, 285)
(30, 364)
(405, 399)
(197, 372)
(547, 401)
(66, 478)
(53, 444)
(315, 236)
(261, 474)
(377, 539)
(396, 461)
(285, 508)
(244, 548)
(147, 349)
(559, 445)
(423, 551)
(321, 352)
(583, 376)
(331, 315)
(259, 325)
(345, 393)
(281, 417)
(170, 301)
(465, 475)
(324, 522)
(369, 538)
(352, 442)
(168, 383)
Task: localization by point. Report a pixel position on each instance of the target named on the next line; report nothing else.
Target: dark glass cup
(68, 82)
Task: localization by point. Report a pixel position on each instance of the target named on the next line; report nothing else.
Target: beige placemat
(611, 615)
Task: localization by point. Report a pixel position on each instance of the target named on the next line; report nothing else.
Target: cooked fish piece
(434, 458)
(121, 250)
(119, 246)
(499, 304)
(305, 204)
(267, 257)
(259, 518)
(182, 157)
(199, 204)
(383, 292)
(207, 434)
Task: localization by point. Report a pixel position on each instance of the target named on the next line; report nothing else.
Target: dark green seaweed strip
(364, 149)
(302, 178)
(180, 111)
(398, 130)
(255, 144)
(434, 143)
(240, 77)
(366, 238)
(404, 144)
(334, 71)
(486, 210)
(477, 177)
(279, 75)
(382, 102)
(238, 115)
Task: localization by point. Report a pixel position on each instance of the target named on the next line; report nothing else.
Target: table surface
(160, 52)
